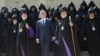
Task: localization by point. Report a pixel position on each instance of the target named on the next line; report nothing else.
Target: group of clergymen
(64, 31)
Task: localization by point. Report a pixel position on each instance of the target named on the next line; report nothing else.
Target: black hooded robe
(13, 39)
(65, 40)
(93, 37)
(23, 40)
(33, 46)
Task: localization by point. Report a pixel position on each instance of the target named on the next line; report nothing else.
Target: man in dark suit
(44, 32)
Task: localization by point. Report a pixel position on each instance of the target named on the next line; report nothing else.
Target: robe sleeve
(31, 32)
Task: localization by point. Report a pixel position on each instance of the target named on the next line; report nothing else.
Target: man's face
(5, 15)
(91, 16)
(14, 21)
(24, 16)
(33, 9)
(42, 14)
(71, 8)
(83, 7)
(63, 14)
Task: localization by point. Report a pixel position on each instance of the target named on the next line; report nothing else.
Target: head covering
(15, 11)
(25, 7)
(23, 10)
(14, 17)
(42, 6)
(4, 10)
(71, 5)
(91, 11)
(84, 4)
(33, 6)
(91, 4)
(64, 9)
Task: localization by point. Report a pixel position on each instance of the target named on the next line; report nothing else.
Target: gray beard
(91, 17)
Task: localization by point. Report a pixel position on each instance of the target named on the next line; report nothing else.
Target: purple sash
(66, 47)
(22, 50)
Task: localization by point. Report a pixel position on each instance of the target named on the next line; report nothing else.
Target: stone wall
(49, 3)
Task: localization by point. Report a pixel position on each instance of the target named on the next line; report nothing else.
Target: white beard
(63, 16)
(91, 17)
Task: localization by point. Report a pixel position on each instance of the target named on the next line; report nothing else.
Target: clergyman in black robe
(22, 36)
(13, 36)
(91, 32)
(4, 30)
(80, 19)
(33, 46)
(67, 45)
(72, 10)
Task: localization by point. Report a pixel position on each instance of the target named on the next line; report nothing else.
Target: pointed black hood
(33, 6)
(71, 5)
(91, 4)
(25, 6)
(42, 6)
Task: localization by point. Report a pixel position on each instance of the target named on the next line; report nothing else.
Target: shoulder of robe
(49, 19)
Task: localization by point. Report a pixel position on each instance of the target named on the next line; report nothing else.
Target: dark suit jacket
(46, 32)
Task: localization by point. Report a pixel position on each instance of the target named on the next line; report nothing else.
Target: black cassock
(65, 47)
(93, 36)
(13, 39)
(22, 39)
(33, 46)
(4, 37)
